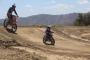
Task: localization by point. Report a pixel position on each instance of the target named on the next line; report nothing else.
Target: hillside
(46, 19)
(72, 43)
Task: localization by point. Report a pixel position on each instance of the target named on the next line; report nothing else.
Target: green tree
(83, 19)
(79, 20)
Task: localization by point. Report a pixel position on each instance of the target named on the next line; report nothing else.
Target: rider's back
(11, 9)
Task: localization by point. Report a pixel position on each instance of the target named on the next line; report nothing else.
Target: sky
(26, 8)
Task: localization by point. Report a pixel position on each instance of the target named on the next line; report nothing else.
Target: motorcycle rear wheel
(5, 23)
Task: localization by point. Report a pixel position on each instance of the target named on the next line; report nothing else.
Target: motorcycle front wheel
(45, 39)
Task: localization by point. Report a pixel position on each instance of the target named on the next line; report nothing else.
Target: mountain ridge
(47, 19)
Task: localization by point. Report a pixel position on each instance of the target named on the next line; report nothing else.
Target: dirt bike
(10, 25)
(49, 38)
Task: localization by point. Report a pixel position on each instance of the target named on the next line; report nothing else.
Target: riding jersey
(48, 32)
(11, 9)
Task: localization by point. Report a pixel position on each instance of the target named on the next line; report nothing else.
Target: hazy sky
(32, 7)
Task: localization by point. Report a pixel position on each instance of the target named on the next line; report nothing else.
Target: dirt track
(71, 43)
(65, 45)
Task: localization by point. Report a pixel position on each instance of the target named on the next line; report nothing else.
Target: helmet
(13, 5)
(48, 27)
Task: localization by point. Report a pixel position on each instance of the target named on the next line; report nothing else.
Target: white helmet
(14, 5)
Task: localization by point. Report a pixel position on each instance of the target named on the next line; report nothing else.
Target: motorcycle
(10, 25)
(48, 38)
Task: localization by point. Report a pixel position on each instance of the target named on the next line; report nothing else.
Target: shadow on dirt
(7, 43)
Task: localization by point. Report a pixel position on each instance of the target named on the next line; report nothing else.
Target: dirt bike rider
(48, 32)
(10, 11)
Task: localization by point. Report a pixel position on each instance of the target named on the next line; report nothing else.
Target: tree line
(83, 19)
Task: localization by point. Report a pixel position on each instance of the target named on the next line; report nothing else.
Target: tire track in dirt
(64, 46)
(56, 49)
